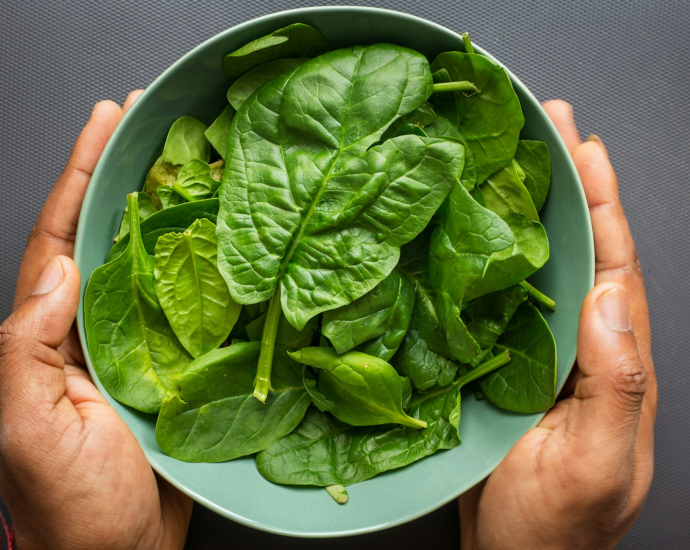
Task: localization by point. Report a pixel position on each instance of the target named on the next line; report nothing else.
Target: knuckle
(10, 336)
(630, 379)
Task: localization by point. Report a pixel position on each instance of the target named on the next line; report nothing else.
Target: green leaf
(382, 314)
(146, 209)
(297, 40)
(528, 383)
(161, 174)
(247, 84)
(195, 182)
(288, 335)
(217, 133)
(489, 120)
(504, 194)
(174, 219)
(534, 158)
(132, 347)
(419, 118)
(191, 291)
(215, 418)
(186, 141)
(168, 197)
(316, 396)
(364, 389)
(443, 128)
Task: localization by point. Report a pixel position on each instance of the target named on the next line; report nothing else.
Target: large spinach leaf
(528, 383)
(191, 291)
(297, 40)
(246, 85)
(215, 417)
(491, 119)
(311, 210)
(364, 390)
(324, 451)
(174, 219)
(133, 349)
(533, 157)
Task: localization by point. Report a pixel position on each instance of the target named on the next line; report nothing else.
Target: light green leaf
(534, 159)
(217, 133)
(195, 182)
(186, 141)
(168, 197)
(146, 209)
(247, 84)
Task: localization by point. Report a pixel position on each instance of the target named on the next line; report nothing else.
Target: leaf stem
(262, 382)
(539, 296)
(338, 492)
(485, 368)
(133, 206)
(183, 192)
(457, 86)
(466, 41)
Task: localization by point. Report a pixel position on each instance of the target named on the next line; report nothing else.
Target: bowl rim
(90, 196)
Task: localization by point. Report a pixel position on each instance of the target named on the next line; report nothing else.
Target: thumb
(608, 398)
(31, 368)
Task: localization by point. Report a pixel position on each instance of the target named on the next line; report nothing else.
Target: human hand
(71, 472)
(580, 478)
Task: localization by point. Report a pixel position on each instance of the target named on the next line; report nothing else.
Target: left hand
(71, 472)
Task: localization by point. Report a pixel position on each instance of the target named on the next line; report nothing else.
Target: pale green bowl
(195, 86)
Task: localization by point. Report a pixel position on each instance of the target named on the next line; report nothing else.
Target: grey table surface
(625, 67)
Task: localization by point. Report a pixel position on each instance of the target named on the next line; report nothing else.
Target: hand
(580, 478)
(71, 473)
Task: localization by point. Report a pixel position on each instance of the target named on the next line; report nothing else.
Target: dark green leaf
(247, 84)
(215, 418)
(504, 193)
(528, 383)
(288, 335)
(195, 182)
(186, 141)
(443, 128)
(217, 133)
(191, 291)
(133, 349)
(296, 40)
(316, 396)
(533, 157)
(146, 209)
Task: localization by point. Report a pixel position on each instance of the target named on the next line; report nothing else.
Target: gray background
(625, 66)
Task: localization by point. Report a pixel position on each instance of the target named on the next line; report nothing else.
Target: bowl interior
(196, 86)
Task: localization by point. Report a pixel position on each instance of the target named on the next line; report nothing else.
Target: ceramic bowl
(195, 85)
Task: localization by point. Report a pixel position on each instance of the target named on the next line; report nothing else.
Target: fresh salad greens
(316, 274)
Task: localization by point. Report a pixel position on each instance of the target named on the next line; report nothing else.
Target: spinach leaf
(247, 84)
(195, 182)
(215, 418)
(312, 216)
(489, 120)
(191, 291)
(146, 209)
(287, 336)
(161, 174)
(528, 383)
(419, 118)
(534, 158)
(297, 40)
(383, 314)
(364, 389)
(186, 141)
(443, 128)
(134, 351)
(168, 197)
(324, 451)
(504, 194)
(174, 219)
(217, 133)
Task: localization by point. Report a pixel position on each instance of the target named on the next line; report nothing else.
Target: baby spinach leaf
(419, 118)
(364, 390)
(288, 335)
(186, 141)
(313, 211)
(146, 209)
(191, 291)
(174, 219)
(534, 158)
(168, 197)
(528, 383)
(247, 84)
(504, 193)
(215, 418)
(195, 182)
(324, 451)
(489, 120)
(383, 314)
(443, 128)
(217, 133)
(133, 349)
(316, 396)
(297, 40)
(161, 174)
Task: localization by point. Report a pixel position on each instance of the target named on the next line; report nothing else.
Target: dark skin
(74, 476)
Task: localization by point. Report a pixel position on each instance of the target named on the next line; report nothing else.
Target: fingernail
(614, 310)
(50, 278)
(596, 139)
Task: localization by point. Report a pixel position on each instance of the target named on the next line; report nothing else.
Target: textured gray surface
(625, 66)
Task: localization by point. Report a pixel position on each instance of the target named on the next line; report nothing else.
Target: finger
(54, 231)
(570, 383)
(131, 98)
(561, 114)
(176, 509)
(32, 377)
(468, 505)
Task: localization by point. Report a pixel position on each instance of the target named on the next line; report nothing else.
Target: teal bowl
(195, 85)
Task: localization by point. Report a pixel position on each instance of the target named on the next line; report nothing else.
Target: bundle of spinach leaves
(355, 254)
